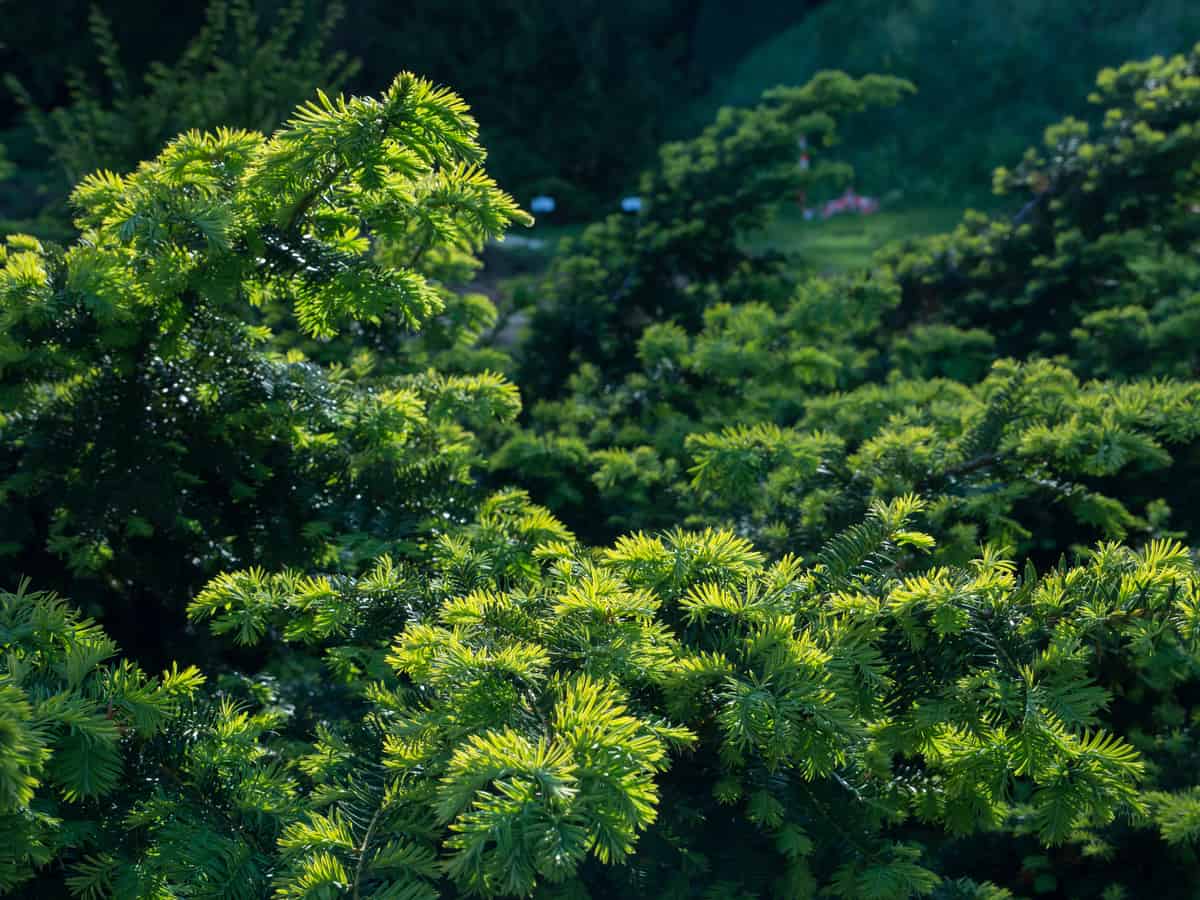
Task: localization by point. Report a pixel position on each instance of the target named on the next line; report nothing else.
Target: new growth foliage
(866, 587)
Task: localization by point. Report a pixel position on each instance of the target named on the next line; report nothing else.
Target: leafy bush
(1100, 259)
(704, 197)
(671, 704)
(782, 408)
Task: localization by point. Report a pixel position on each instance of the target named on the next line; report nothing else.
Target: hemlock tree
(151, 436)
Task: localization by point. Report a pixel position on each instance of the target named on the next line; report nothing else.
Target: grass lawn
(846, 242)
(840, 244)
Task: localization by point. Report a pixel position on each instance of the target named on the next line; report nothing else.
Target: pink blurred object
(850, 202)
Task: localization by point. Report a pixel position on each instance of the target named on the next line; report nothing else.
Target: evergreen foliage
(540, 697)
(705, 196)
(134, 365)
(73, 727)
(866, 587)
(641, 58)
(782, 408)
(991, 77)
(1099, 262)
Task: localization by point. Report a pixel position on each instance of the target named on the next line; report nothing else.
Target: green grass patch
(847, 242)
(841, 244)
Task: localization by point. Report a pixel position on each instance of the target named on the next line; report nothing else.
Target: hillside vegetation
(990, 77)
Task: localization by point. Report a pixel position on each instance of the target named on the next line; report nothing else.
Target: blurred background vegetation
(622, 76)
(990, 77)
(636, 64)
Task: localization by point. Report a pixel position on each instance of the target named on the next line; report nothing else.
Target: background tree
(233, 72)
(781, 404)
(990, 80)
(702, 200)
(1100, 255)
